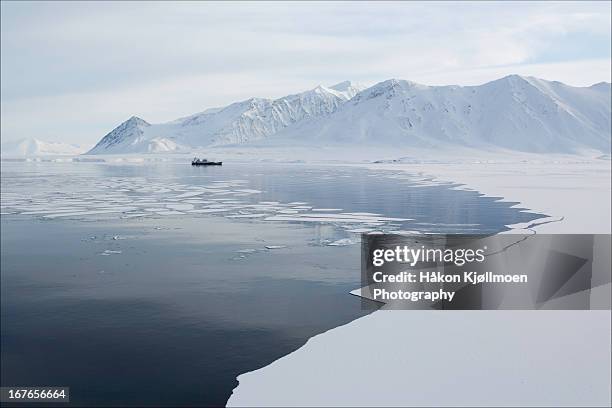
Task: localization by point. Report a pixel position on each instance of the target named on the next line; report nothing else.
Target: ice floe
(169, 212)
(247, 215)
(88, 196)
(180, 207)
(110, 252)
(342, 242)
(82, 213)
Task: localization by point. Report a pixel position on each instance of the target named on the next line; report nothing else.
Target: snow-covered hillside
(517, 113)
(514, 112)
(241, 122)
(35, 147)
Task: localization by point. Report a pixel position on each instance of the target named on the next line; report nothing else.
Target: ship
(203, 162)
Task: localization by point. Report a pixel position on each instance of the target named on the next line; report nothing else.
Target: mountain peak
(342, 86)
(347, 89)
(601, 85)
(321, 89)
(135, 120)
(513, 79)
(37, 147)
(129, 130)
(402, 83)
(390, 88)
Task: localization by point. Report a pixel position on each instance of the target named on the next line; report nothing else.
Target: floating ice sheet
(134, 197)
(247, 215)
(342, 242)
(82, 213)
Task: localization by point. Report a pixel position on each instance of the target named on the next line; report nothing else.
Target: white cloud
(80, 68)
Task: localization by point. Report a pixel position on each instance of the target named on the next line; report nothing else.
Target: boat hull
(208, 164)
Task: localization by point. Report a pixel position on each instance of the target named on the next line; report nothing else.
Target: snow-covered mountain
(35, 147)
(514, 112)
(241, 122)
(517, 113)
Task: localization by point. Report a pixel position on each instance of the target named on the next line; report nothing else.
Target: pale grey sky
(72, 71)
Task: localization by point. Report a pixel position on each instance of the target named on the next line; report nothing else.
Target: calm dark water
(166, 310)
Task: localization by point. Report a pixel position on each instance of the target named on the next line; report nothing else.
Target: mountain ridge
(36, 147)
(513, 112)
(240, 122)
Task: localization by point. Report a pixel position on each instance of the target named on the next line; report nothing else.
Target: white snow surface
(442, 358)
(516, 113)
(574, 192)
(466, 358)
(34, 147)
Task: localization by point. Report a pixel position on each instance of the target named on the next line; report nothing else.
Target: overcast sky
(73, 71)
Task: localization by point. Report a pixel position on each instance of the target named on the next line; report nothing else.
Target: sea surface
(159, 283)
